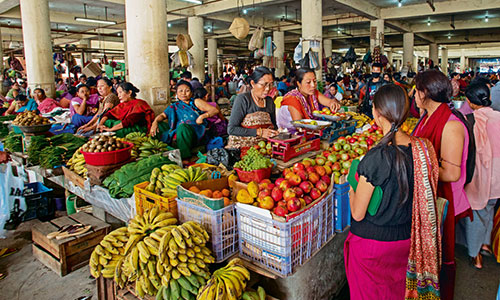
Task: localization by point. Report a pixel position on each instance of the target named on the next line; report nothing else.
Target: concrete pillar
(312, 30)
(212, 57)
(398, 64)
(390, 57)
(462, 61)
(327, 47)
(408, 40)
(38, 45)
(220, 66)
(279, 41)
(377, 34)
(147, 49)
(125, 52)
(434, 53)
(444, 61)
(195, 28)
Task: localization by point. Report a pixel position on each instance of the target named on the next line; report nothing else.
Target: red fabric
(296, 103)
(47, 105)
(131, 112)
(432, 129)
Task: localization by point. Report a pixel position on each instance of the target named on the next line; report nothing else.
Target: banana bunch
(166, 181)
(106, 256)
(361, 118)
(251, 295)
(226, 283)
(77, 163)
(136, 138)
(150, 146)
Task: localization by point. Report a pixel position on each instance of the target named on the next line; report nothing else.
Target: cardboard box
(184, 194)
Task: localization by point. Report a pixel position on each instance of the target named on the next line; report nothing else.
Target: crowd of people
(443, 174)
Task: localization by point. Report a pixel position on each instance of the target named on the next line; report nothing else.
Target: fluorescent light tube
(89, 20)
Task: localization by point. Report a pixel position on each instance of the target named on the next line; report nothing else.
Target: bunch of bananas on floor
(164, 181)
(77, 164)
(108, 253)
(226, 283)
(260, 294)
(361, 118)
(158, 255)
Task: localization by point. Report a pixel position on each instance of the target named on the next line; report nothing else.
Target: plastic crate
(282, 247)
(342, 207)
(146, 200)
(38, 204)
(220, 225)
(332, 135)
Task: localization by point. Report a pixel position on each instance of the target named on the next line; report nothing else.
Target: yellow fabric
(277, 101)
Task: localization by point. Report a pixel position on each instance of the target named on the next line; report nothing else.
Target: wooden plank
(78, 260)
(39, 236)
(87, 219)
(48, 260)
(85, 242)
(250, 266)
(62, 221)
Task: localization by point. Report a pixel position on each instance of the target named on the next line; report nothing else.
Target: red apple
(294, 180)
(306, 163)
(337, 146)
(332, 158)
(310, 170)
(369, 142)
(320, 160)
(278, 181)
(265, 181)
(320, 170)
(298, 192)
(328, 169)
(326, 179)
(298, 167)
(345, 157)
(315, 193)
(280, 209)
(344, 171)
(326, 153)
(293, 204)
(264, 193)
(336, 167)
(314, 177)
(306, 186)
(341, 140)
(303, 175)
(308, 199)
(286, 171)
(284, 185)
(322, 186)
(277, 194)
(289, 175)
(289, 193)
(352, 140)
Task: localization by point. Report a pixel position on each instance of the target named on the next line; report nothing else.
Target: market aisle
(27, 278)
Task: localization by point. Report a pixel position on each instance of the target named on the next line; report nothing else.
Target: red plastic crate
(255, 175)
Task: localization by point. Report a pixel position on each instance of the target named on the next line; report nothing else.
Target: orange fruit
(194, 189)
(227, 201)
(206, 193)
(226, 193)
(217, 194)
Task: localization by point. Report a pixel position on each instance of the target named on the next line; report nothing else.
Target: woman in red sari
(450, 139)
(133, 114)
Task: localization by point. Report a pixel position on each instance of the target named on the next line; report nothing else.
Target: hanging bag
(257, 39)
(314, 60)
(184, 42)
(269, 47)
(304, 62)
(297, 54)
(239, 28)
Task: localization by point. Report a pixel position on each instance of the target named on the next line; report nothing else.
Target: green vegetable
(253, 160)
(14, 142)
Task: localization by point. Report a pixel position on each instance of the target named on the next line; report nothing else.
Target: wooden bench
(66, 255)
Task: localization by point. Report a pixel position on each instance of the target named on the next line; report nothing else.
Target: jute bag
(239, 28)
(257, 39)
(184, 42)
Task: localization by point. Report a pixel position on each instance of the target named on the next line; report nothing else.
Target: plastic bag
(350, 56)
(259, 53)
(297, 54)
(368, 57)
(269, 47)
(314, 60)
(9, 193)
(304, 62)
(227, 157)
(257, 39)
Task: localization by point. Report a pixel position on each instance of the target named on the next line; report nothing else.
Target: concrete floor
(27, 278)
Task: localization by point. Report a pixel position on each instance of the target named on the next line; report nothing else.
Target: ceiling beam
(459, 25)
(404, 27)
(361, 7)
(445, 7)
(7, 5)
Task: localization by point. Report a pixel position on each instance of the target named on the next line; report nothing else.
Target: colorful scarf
(303, 105)
(424, 261)
(184, 113)
(132, 112)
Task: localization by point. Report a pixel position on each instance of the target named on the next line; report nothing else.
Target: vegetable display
(103, 144)
(14, 142)
(30, 118)
(253, 160)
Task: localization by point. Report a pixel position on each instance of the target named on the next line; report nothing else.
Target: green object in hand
(376, 198)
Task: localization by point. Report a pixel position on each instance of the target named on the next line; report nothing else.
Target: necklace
(259, 102)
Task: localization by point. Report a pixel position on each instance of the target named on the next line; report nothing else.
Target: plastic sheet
(9, 193)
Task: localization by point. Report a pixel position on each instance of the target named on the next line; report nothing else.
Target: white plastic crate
(220, 224)
(281, 247)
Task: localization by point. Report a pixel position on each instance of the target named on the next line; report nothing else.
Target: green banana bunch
(226, 283)
(251, 295)
(150, 146)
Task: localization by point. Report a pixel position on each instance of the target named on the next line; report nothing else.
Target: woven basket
(184, 42)
(239, 28)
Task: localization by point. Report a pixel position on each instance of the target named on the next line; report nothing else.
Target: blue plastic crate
(281, 247)
(38, 204)
(342, 207)
(332, 135)
(220, 224)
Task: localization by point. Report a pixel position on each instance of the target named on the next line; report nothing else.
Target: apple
(278, 181)
(344, 171)
(256, 147)
(360, 151)
(306, 163)
(363, 143)
(266, 203)
(320, 160)
(263, 194)
(345, 157)
(322, 186)
(277, 194)
(375, 126)
(269, 146)
(320, 170)
(280, 209)
(352, 140)
(341, 140)
(265, 181)
(336, 174)
(310, 160)
(308, 199)
(294, 180)
(306, 186)
(284, 185)
(263, 151)
(289, 193)
(326, 179)
(315, 193)
(298, 191)
(336, 167)
(289, 175)
(303, 175)
(337, 146)
(326, 154)
(302, 202)
(293, 204)
(347, 147)
(346, 165)
(332, 158)
(328, 169)
(310, 170)
(314, 177)
(262, 144)
(298, 167)
(369, 142)
(328, 164)
(265, 185)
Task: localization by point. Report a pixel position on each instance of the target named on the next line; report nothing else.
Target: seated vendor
(217, 125)
(83, 107)
(107, 101)
(253, 116)
(301, 102)
(21, 104)
(332, 92)
(45, 104)
(131, 115)
(186, 120)
(66, 97)
(13, 92)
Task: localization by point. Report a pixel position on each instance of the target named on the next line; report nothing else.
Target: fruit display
(14, 142)
(145, 146)
(121, 183)
(409, 125)
(346, 102)
(324, 111)
(103, 143)
(165, 179)
(214, 194)
(265, 148)
(361, 118)
(228, 282)
(30, 118)
(77, 163)
(253, 160)
(260, 294)
(165, 260)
